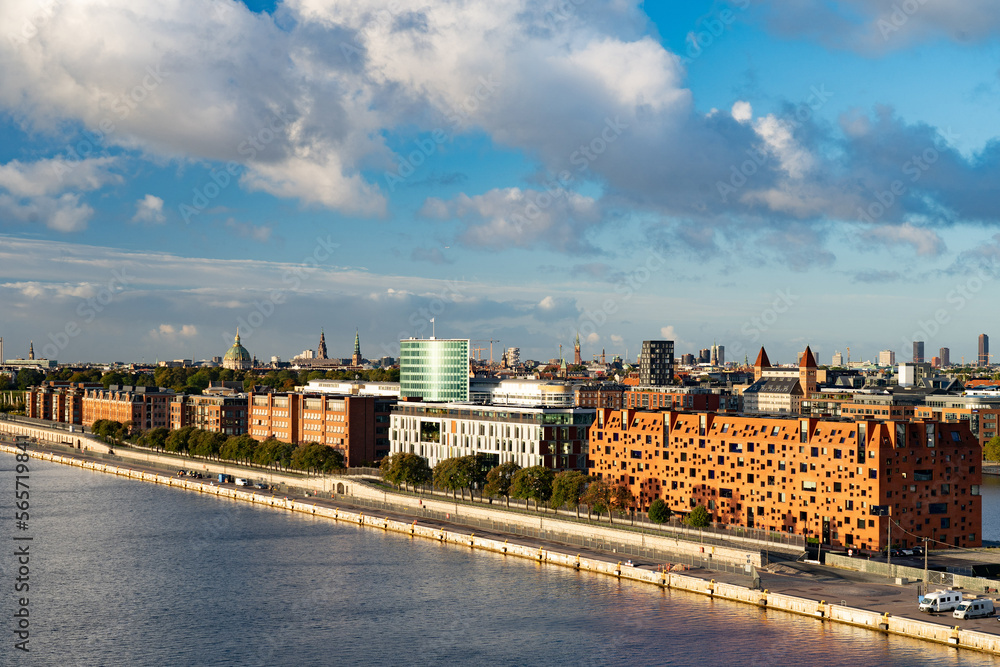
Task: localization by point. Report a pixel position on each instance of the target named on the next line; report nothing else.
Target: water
(990, 491)
(128, 573)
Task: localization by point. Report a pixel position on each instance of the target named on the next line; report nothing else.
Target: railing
(623, 550)
(717, 534)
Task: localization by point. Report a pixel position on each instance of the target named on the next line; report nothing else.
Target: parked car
(975, 608)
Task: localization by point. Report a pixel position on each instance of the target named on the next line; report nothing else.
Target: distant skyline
(748, 173)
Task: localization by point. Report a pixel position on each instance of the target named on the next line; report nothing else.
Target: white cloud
(742, 112)
(512, 217)
(924, 241)
(593, 338)
(149, 210)
(64, 213)
(668, 333)
(261, 233)
(169, 331)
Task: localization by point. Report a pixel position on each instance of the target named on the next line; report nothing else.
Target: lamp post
(927, 545)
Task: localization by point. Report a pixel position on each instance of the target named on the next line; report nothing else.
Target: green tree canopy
(698, 517)
(406, 470)
(991, 452)
(568, 487)
(499, 479)
(659, 512)
(534, 483)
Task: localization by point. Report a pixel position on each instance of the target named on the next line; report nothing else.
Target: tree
(472, 472)
(621, 497)
(659, 512)
(499, 479)
(405, 469)
(534, 483)
(698, 517)
(178, 441)
(156, 438)
(598, 498)
(567, 489)
(448, 476)
(991, 452)
(28, 377)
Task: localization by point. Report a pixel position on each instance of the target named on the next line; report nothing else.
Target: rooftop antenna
(432, 329)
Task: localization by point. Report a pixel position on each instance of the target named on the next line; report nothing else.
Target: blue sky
(785, 173)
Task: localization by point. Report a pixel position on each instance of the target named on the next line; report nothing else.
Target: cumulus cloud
(512, 217)
(48, 191)
(923, 241)
(170, 331)
(149, 210)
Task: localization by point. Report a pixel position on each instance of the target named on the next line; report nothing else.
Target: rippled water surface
(127, 573)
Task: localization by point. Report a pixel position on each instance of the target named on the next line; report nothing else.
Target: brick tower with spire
(321, 348)
(576, 351)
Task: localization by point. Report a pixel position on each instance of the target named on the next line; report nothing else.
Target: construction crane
(486, 340)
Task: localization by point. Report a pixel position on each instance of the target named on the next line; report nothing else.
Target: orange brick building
(813, 477)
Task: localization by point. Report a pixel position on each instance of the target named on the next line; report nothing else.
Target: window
(872, 473)
(725, 493)
(803, 467)
(836, 487)
(735, 447)
(923, 475)
(975, 489)
(636, 454)
(945, 522)
(770, 448)
(937, 508)
(945, 488)
(711, 474)
(808, 486)
(814, 451)
(837, 454)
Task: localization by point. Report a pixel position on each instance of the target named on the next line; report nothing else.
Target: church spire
(356, 357)
(321, 349)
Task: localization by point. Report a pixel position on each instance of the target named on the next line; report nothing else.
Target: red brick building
(814, 477)
(58, 401)
(143, 407)
(355, 425)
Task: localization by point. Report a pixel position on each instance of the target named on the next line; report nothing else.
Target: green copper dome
(237, 352)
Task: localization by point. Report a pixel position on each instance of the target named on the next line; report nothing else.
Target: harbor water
(127, 573)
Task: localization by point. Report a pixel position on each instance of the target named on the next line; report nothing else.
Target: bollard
(953, 639)
(820, 608)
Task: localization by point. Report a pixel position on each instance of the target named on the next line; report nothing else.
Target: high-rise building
(918, 351)
(513, 355)
(886, 358)
(945, 355)
(838, 359)
(704, 356)
(984, 350)
(436, 370)
(656, 363)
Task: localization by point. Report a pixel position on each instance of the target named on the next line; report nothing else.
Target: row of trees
(193, 380)
(569, 488)
(309, 457)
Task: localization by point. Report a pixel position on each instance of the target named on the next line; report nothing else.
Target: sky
(786, 173)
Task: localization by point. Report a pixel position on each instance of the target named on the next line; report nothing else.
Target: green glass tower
(434, 370)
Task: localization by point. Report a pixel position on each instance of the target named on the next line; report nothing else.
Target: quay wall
(821, 610)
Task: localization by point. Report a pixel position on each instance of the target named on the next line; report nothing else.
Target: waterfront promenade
(805, 589)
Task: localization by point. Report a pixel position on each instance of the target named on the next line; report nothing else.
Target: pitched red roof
(808, 360)
(762, 360)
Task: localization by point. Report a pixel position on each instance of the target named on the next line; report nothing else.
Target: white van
(975, 608)
(941, 601)
(242, 482)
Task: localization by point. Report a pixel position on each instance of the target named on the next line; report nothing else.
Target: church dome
(237, 357)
